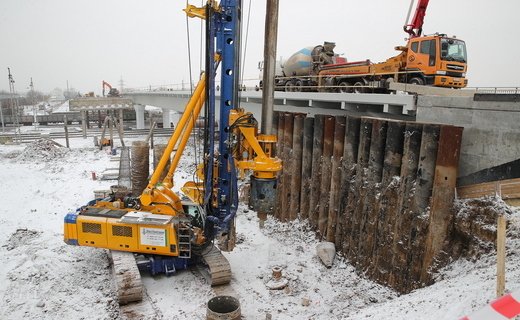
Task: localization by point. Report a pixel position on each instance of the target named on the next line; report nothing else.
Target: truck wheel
(298, 86)
(417, 81)
(288, 87)
(343, 87)
(358, 87)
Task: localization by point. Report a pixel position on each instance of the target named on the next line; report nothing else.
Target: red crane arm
(414, 28)
(105, 84)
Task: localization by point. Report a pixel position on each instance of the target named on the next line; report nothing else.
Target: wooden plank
(508, 189)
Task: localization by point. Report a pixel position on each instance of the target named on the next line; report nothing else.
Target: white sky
(145, 42)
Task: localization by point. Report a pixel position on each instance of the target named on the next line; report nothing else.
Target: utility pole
(14, 106)
(271, 35)
(121, 85)
(33, 101)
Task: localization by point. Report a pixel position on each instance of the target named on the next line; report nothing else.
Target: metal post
(501, 255)
(271, 34)
(33, 101)
(151, 129)
(65, 123)
(88, 119)
(84, 123)
(308, 135)
(443, 194)
(111, 130)
(325, 175)
(317, 149)
(348, 173)
(100, 120)
(288, 162)
(119, 127)
(296, 174)
(122, 128)
(334, 200)
(2, 118)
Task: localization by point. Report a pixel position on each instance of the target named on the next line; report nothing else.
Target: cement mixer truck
(298, 73)
(434, 60)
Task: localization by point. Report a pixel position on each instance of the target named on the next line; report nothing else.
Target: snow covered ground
(42, 278)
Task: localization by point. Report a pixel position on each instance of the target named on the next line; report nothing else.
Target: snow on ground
(43, 278)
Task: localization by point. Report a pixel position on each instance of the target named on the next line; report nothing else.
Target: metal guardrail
(184, 87)
(497, 90)
(100, 103)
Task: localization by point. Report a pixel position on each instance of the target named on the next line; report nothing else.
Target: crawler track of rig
(217, 269)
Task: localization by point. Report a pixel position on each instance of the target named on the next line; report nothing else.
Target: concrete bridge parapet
(394, 105)
(491, 127)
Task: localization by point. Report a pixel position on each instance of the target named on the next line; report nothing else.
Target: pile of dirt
(20, 238)
(11, 154)
(474, 228)
(43, 150)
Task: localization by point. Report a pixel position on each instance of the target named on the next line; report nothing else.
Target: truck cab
(439, 61)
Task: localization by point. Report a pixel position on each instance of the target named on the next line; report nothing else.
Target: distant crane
(112, 92)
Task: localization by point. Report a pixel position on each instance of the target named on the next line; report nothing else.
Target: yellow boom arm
(182, 131)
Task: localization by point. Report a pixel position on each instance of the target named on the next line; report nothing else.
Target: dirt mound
(20, 238)
(43, 150)
(11, 154)
(473, 231)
